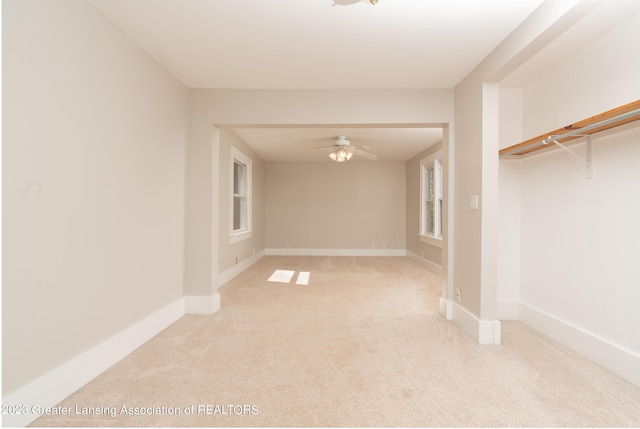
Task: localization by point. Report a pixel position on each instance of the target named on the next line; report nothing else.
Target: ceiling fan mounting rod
(342, 141)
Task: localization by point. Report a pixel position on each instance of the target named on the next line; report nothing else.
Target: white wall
(327, 205)
(285, 107)
(231, 254)
(509, 206)
(596, 78)
(468, 181)
(93, 185)
(431, 254)
(579, 237)
(477, 138)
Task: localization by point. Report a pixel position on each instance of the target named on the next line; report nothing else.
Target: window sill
(239, 236)
(437, 242)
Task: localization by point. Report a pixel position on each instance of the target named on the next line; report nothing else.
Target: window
(431, 199)
(241, 196)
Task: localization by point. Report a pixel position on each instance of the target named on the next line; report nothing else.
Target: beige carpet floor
(361, 345)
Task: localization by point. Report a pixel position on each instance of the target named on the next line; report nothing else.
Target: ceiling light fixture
(373, 2)
(340, 155)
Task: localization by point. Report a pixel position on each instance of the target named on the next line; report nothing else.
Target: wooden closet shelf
(595, 124)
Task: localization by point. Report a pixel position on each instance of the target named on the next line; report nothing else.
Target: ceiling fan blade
(364, 154)
(344, 2)
(325, 148)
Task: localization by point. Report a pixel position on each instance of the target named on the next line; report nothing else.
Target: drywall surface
(580, 237)
(427, 251)
(477, 135)
(94, 136)
(281, 107)
(601, 76)
(509, 205)
(329, 205)
(468, 182)
(231, 254)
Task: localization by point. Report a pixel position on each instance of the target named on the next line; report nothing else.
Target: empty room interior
(320, 213)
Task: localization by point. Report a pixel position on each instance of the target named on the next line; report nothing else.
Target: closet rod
(584, 130)
(578, 132)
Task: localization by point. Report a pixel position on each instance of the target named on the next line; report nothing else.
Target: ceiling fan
(342, 150)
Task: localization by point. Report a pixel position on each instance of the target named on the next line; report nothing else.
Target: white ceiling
(301, 143)
(336, 44)
(317, 44)
(320, 44)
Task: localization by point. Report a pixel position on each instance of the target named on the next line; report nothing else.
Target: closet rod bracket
(590, 152)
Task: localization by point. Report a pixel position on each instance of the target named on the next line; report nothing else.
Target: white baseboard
(336, 252)
(445, 309)
(55, 386)
(508, 310)
(619, 361)
(206, 304)
(210, 304)
(236, 269)
(431, 266)
(483, 331)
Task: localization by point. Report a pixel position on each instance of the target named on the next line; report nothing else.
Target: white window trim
(245, 233)
(428, 239)
(434, 239)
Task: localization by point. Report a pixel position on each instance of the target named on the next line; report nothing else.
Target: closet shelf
(595, 124)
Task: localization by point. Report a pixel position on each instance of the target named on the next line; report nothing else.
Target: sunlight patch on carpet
(285, 276)
(281, 276)
(303, 278)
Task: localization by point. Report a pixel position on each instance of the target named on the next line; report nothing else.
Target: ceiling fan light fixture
(342, 150)
(340, 155)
